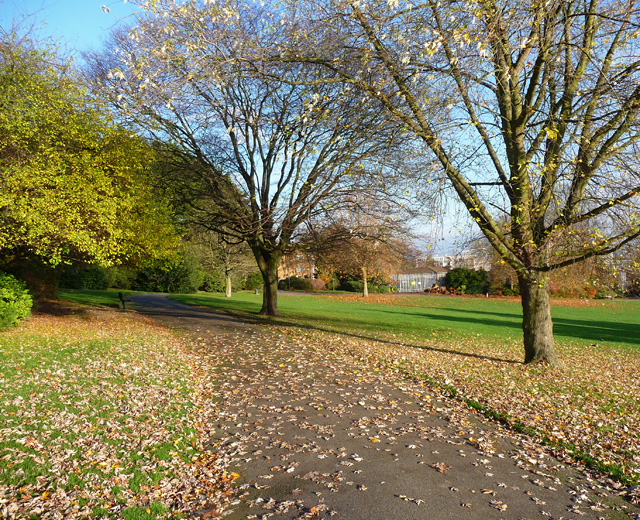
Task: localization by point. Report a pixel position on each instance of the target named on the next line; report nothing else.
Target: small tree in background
(218, 253)
(366, 241)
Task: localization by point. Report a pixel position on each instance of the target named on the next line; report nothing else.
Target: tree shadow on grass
(494, 322)
(586, 330)
(399, 343)
(245, 311)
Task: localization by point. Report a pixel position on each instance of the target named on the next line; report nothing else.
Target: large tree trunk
(536, 321)
(365, 287)
(268, 264)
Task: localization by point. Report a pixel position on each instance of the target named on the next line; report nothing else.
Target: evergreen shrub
(15, 301)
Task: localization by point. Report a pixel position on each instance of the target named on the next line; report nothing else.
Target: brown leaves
(104, 408)
(417, 501)
(441, 467)
(500, 506)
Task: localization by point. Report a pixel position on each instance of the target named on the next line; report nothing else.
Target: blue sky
(81, 24)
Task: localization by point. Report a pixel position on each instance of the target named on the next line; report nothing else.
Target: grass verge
(101, 416)
(106, 298)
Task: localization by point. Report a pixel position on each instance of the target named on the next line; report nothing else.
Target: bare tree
(258, 156)
(530, 108)
(369, 239)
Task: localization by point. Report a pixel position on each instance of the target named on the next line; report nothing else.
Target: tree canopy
(257, 156)
(74, 184)
(531, 110)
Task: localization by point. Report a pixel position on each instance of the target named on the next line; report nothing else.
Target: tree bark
(268, 264)
(228, 285)
(536, 322)
(365, 287)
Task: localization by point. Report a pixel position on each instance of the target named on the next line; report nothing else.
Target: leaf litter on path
(300, 412)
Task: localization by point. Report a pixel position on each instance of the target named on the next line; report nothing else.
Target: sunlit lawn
(607, 322)
(97, 416)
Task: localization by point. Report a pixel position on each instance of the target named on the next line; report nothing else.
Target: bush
(253, 281)
(295, 283)
(86, 277)
(381, 289)
(15, 301)
(565, 292)
(300, 284)
(477, 289)
(467, 280)
(122, 277)
(351, 286)
(318, 285)
(183, 276)
(214, 282)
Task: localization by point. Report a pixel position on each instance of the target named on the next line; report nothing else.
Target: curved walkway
(314, 433)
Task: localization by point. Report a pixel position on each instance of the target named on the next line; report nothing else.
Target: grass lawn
(470, 348)
(99, 415)
(108, 298)
(607, 322)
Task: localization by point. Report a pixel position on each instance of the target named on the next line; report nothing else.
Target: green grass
(78, 395)
(107, 298)
(422, 318)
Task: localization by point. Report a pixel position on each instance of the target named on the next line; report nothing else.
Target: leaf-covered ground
(317, 429)
(101, 416)
(589, 407)
(472, 348)
(105, 415)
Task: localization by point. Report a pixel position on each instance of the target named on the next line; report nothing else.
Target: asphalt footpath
(313, 432)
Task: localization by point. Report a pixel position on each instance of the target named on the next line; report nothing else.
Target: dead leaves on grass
(103, 415)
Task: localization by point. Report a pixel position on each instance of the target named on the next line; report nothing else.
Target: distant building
(466, 259)
(298, 264)
(419, 279)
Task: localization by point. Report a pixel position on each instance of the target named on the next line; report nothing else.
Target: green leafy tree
(74, 184)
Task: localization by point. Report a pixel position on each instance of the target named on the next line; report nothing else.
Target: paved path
(315, 433)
